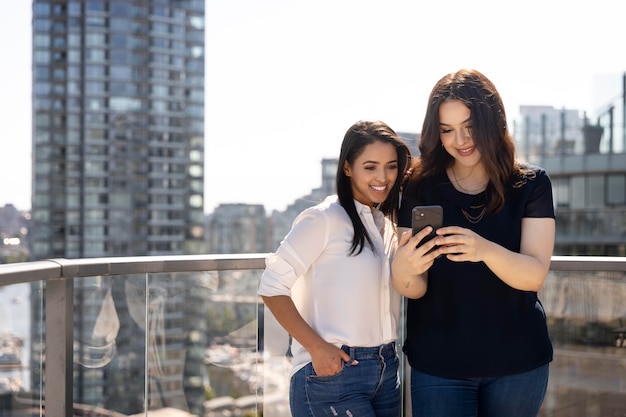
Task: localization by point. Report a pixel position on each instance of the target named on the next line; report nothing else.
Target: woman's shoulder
(534, 190)
(527, 173)
(329, 207)
(334, 210)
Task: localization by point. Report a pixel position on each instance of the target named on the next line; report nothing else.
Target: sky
(286, 78)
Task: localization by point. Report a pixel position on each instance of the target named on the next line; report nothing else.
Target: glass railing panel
(586, 313)
(233, 356)
(176, 340)
(21, 349)
(275, 343)
(109, 343)
(202, 342)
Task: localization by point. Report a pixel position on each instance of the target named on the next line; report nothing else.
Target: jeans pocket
(309, 373)
(327, 388)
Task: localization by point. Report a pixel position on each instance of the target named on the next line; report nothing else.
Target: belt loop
(383, 348)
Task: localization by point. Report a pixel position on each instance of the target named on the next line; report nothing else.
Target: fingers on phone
(424, 241)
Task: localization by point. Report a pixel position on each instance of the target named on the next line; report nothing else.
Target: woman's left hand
(525, 270)
(459, 244)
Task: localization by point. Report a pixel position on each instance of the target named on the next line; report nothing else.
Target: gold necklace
(477, 218)
(463, 189)
(469, 217)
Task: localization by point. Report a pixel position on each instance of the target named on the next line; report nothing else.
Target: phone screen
(427, 216)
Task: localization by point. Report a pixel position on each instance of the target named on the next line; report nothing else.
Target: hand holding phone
(427, 216)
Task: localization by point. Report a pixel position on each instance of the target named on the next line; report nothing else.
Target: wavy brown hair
(488, 129)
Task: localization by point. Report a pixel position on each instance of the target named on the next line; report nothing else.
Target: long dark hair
(488, 129)
(358, 136)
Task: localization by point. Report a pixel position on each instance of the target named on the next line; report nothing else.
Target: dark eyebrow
(464, 121)
(376, 162)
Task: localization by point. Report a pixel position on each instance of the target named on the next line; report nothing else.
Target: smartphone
(427, 216)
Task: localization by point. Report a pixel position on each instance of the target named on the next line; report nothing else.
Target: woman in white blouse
(328, 284)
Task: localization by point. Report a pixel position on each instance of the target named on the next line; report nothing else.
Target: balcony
(187, 336)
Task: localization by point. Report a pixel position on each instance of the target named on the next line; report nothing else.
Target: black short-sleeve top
(470, 323)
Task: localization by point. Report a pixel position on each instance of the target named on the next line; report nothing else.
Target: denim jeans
(518, 395)
(370, 388)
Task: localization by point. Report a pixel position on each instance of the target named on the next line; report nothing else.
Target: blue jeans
(370, 388)
(518, 395)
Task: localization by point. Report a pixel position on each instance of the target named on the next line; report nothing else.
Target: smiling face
(373, 173)
(456, 134)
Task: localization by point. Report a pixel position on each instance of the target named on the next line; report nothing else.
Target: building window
(73, 56)
(42, 25)
(94, 71)
(74, 8)
(41, 41)
(95, 55)
(92, 21)
(595, 191)
(41, 57)
(616, 190)
(95, 5)
(95, 39)
(577, 189)
(59, 9)
(58, 57)
(120, 72)
(73, 39)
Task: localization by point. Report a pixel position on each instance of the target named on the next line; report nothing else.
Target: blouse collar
(377, 215)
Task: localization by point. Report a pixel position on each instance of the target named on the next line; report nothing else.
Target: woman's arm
(524, 271)
(295, 255)
(325, 356)
(409, 266)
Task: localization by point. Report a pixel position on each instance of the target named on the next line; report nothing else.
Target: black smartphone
(427, 216)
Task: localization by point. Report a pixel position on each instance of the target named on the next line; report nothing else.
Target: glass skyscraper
(118, 134)
(118, 159)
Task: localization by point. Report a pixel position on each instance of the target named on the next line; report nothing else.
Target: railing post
(59, 395)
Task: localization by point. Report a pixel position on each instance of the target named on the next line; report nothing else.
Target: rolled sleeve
(278, 277)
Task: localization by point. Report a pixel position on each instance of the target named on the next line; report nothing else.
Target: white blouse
(347, 300)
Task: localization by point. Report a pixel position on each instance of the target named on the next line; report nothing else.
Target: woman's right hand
(410, 263)
(411, 260)
(328, 359)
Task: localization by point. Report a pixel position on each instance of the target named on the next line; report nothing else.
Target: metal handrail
(45, 270)
(23, 272)
(588, 263)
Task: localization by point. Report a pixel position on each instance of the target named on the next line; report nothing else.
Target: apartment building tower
(586, 160)
(118, 135)
(118, 157)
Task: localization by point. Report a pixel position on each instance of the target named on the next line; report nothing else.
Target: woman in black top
(477, 339)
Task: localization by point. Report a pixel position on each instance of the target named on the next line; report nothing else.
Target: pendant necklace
(477, 218)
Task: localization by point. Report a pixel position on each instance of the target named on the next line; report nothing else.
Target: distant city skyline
(284, 80)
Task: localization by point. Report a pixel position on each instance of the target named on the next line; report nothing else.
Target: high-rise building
(237, 228)
(118, 134)
(586, 160)
(546, 131)
(118, 157)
